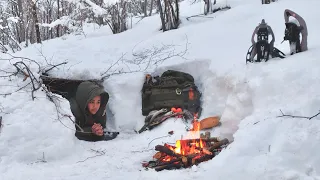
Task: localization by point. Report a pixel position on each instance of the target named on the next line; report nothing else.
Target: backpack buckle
(178, 91)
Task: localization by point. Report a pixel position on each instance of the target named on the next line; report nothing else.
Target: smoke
(238, 106)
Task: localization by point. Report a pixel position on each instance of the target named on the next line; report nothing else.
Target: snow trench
(221, 95)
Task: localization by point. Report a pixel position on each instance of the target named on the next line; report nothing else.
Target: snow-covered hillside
(248, 97)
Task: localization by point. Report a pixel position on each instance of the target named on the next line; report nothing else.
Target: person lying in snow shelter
(292, 32)
(89, 109)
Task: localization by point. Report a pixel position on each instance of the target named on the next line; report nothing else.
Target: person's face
(94, 105)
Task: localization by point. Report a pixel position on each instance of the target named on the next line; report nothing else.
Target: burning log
(186, 152)
(203, 158)
(166, 150)
(218, 144)
(178, 160)
(159, 155)
(198, 140)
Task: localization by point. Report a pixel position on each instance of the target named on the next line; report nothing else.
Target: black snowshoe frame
(263, 52)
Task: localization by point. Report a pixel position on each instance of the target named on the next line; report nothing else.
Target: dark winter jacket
(86, 91)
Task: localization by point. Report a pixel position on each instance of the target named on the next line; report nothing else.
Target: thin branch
(43, 160)
(47, 61)
(141, 151)
(303, 117)
(55, 100)
(10, 93)
(69, 116)
(145, 59)
(53, 66)
(22, 59)
(32, 78)
(157, 138)
(112, 65)
(99, 153)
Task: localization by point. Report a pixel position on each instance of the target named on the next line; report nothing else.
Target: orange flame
(193, 144)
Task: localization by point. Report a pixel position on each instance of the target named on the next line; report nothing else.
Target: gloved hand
(110, 135)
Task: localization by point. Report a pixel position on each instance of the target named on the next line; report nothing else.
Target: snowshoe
(248, 57)
(277, 53)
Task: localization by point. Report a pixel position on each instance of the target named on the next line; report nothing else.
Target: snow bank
(248, 97)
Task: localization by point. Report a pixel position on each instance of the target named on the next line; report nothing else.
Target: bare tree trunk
(58, 17)
(21, 22)
(35, 20)
(123, 19)
(169, 14)
(208, 6)
(27, 31)
(177, 13)
(31, 32)
(16, 30)
(161, 16)
(118, 21)
(50, 33)
(151, 7)
(145, 8)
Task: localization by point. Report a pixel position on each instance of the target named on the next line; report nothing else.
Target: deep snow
(249, 97)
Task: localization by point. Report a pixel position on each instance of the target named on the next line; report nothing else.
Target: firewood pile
(186, 153)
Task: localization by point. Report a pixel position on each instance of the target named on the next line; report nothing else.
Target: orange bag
(210, 122)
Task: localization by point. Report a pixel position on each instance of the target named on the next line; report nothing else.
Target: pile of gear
(173, 94)
(264, 49)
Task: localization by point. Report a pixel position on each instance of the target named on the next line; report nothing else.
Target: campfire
(187, 152)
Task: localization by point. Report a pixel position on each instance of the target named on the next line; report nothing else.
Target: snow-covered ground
(248, 97)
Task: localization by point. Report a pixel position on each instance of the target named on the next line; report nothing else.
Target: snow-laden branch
(64, 21)
(84, 4)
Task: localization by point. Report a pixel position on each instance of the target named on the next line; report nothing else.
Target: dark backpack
(171, 89)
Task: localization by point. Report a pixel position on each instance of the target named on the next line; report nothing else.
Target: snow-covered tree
(169, 14)
(25, 22)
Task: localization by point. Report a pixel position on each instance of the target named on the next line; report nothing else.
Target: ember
(187, 152)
